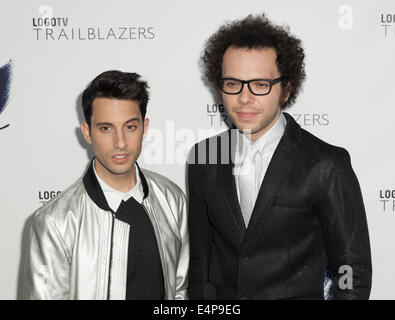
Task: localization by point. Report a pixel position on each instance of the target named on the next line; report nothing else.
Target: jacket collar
(95, 192)
(292, 131)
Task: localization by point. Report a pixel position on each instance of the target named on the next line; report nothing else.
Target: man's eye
(105, 128)
(231, 84)
(261, 84)
(131, 127)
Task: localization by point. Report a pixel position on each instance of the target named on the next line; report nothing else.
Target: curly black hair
(116, 84)
(257, 32)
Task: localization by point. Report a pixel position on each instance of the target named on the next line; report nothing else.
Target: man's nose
(245, 96)
(119, 140)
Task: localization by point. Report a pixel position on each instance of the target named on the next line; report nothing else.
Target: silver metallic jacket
(78, 250)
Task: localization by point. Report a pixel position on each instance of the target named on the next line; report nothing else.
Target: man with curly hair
(274, 212)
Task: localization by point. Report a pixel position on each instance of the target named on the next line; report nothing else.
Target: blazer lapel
(225, 173)
(227, 180)
(283, 160)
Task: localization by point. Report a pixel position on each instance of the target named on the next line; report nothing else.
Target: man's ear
(86, 132)
(146, 124)
(286, 93)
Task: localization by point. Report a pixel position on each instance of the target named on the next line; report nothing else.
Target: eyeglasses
(258, 87)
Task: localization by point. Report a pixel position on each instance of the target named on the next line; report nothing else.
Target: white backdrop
(348, 98)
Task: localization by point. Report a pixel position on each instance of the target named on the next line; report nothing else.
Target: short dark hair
(257, 32)
(116, 84)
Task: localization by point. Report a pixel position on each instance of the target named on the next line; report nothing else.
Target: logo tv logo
(5, 81)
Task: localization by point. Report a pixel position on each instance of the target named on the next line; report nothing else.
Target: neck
(255, 136)
(121, 182)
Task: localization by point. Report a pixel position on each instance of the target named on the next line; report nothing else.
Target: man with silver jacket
(120, 231)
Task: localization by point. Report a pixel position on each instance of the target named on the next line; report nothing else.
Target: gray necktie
(247, 181)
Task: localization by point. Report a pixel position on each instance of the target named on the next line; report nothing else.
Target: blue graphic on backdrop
(5, 82)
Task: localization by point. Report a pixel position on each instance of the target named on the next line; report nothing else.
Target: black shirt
(144, 272)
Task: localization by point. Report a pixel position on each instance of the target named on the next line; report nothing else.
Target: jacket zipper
(110, 266)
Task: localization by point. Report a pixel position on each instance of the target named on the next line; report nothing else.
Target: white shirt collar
(115, 197)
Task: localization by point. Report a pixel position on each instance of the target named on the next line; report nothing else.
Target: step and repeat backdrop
(50, 50)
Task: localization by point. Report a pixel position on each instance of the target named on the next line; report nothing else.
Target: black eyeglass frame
(247, 82)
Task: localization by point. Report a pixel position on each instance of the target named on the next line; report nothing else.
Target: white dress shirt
(265, 147)
(115, 197)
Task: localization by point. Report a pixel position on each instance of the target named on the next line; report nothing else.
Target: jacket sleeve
(346, 237)
(200, 238)
(183, 261)
(46, 266)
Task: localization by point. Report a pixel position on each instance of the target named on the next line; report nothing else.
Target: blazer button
(244, 298)
(244, 255)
